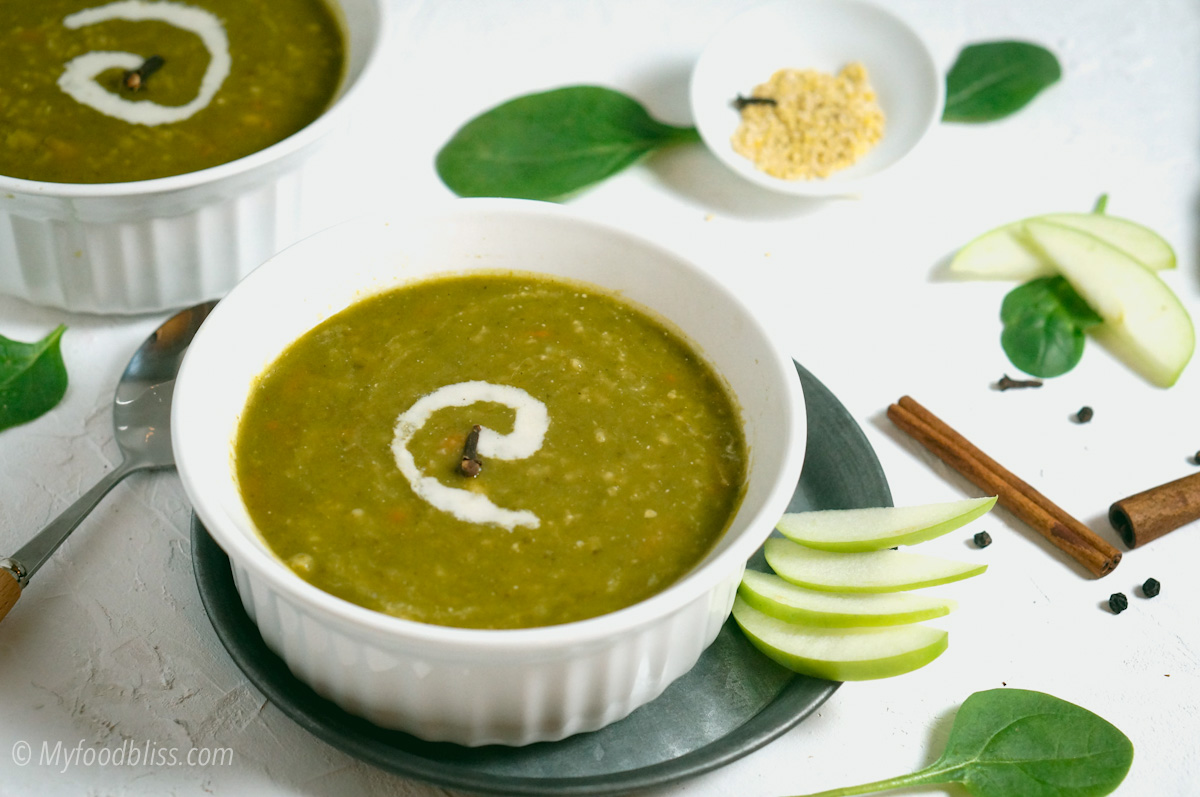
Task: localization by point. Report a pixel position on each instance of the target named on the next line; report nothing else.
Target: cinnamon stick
(1043, 515)
(1152, 513)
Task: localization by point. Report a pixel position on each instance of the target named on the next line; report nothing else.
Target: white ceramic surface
(156, 244)
(823, 35)
(470, 686)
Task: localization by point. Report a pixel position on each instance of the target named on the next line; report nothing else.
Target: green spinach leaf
(32, 378)
(1017, 743)
(1044, 326)
(991, 80)
(551, 144)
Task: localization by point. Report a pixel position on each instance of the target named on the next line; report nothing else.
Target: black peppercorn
(1151, 587)
(1084, 415)
(983, 539)
(1118, 602)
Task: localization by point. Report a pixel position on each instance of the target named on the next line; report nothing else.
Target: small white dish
(824, 35)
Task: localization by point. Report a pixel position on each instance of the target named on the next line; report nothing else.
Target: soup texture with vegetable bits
(95, 92)
(494, 450)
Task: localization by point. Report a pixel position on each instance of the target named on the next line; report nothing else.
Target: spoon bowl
(142, 427)
(142, 409)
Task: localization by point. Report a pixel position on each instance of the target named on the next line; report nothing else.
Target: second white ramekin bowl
(150, 245)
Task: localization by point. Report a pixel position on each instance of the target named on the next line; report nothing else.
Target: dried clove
(1007, 383)
(741, 102)
(470, 465)
(136, 78)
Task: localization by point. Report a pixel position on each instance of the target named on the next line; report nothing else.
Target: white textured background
(110, 642)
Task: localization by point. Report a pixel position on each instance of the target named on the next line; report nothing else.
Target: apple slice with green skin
(1144, 323)
(876, 528)
(840, 654)
(872, 571)
(771, 595)
(1006, 253)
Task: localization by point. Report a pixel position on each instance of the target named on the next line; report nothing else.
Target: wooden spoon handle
(10, 590)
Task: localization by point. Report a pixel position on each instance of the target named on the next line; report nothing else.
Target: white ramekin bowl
(150, 245)
(471, 686)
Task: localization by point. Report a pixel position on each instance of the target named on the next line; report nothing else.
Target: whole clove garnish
(741, 102)
(983, 539)
(470, 465)
(1008, 383)
(1117, 602)
(1084, 415)
(135, 79)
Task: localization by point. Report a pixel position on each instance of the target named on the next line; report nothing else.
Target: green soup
(237, 76)
(612, 455)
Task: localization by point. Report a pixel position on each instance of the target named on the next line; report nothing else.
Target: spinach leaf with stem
(991, 80)
(551, 144)
(1018, 743)
(1045, 322)
(33, 378)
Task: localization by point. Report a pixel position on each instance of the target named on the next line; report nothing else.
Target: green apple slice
(785, 601)
(876, 528)
(1144, 323)
(872, 571)
(1006, 252)
(840, 654)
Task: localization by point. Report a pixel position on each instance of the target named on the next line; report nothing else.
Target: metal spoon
(142, 421)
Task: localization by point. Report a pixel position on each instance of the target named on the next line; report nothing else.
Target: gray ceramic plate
(698, 724)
